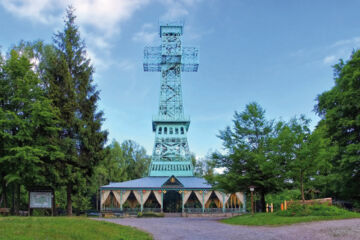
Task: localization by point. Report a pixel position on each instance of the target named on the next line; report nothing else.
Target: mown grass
(65, 228)
(295, 214)
(270, 219)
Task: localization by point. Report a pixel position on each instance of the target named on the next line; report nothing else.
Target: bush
(150, 214)
(312, 210)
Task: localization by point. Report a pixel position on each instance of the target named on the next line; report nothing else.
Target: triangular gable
(172, 182)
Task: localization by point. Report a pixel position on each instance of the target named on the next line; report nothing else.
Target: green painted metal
(141, 198)
(121, 205)
(223, 196)
(244, 203)
(171, 155)
(203, 204)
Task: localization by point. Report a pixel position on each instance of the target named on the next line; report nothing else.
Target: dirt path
(210, 228)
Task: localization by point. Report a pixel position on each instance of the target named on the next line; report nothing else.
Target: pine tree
(69, 76)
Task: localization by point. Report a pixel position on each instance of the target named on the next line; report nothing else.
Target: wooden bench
(5, 211)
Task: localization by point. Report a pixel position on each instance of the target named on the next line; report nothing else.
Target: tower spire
(171, 155)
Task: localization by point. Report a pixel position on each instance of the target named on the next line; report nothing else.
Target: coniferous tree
(248, 159)
(69, 76)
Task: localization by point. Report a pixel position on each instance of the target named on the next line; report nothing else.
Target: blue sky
(278, 53)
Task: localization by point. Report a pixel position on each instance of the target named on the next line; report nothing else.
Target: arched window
(176, 131)
(182, 130)
(171, 130)
(165, 130)
(160, 130)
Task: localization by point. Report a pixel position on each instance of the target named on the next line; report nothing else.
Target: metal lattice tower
(171, 155)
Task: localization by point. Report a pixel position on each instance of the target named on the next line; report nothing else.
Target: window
(182, 130)
(176, 131)
(160, 130)
(165, 130)
(171, 130)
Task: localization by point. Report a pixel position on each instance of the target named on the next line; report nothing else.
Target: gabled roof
(172, 182)
(158, 182)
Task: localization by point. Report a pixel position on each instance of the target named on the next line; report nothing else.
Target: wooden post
(29, 204)
(272, 207)
(285, 205)
(267, 207)
(282, 207)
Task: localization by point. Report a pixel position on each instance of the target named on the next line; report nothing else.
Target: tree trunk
(302, 186)
(17, 199)
(13, 199)
(3, 194)
(69, 201)
(97, 200)
(262, 202)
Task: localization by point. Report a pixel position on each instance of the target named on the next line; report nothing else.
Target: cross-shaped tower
(171, 155)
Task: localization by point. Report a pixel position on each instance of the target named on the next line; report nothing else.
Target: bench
(4, 211)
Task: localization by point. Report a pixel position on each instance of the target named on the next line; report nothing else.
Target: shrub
(312, 210)
(150, 214)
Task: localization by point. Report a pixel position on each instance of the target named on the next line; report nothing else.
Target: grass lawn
(64, 228)
(270, 219)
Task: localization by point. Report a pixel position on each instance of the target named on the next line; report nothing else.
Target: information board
(40, 200)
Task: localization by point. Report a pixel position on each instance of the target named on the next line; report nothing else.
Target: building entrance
(172, 201)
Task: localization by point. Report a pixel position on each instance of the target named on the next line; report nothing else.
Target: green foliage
(299, 149)
(249, 158)
(296, 210)
(280, 197)
(68, 74)
(123, 162)
(339, 109)
(65, 228)
(150, 214)
(271, 219)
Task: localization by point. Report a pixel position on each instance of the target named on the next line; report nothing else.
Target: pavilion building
(170, 185)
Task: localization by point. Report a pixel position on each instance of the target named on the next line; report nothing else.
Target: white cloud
(99, 20)
(126, 65)
(345, 42)
(177, 8)
(329, 59)
(146, 35)
(43, 11)
(104, 15)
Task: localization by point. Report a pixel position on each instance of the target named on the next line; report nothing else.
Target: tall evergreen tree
(69, 76)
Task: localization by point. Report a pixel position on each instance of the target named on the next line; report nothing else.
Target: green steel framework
(171, 155)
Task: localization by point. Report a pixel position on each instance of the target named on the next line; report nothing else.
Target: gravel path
(211, 228)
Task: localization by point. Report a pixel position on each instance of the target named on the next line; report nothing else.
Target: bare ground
(211, 228)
